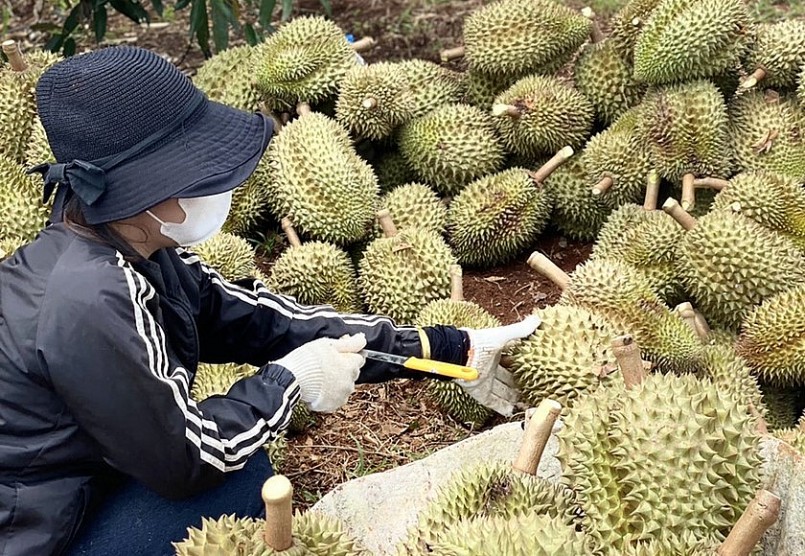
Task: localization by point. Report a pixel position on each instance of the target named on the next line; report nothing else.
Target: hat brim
(216, 150)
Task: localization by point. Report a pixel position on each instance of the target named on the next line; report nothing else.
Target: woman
(105, 316)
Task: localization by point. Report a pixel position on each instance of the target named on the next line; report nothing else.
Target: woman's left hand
(494, 388)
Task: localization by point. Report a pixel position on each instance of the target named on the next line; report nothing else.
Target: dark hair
(104, 233)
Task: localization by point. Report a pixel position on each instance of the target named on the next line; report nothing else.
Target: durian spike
(452, 53)
(15, 59)
(652, 190)
(760, 514)
(386, 223)
(603, 186)
(596, 35)
(762, 426)
(303, 108)
(547, 268)
(678, 213)
(369, 103)
(685, 312)
(549, 167)
(757, 76)
(287, 227)
(688, 192)
(710, 183)
(456, 283)
(507, 110)
(277, 492)
(627, 352)
(363, 44)
(536, 436)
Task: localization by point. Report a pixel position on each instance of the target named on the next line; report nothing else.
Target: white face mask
(204, 217)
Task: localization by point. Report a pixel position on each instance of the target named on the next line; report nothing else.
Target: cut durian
(229, 254)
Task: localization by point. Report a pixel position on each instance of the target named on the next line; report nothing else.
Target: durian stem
(637, 22)
(757, 75)
(536, 435)
(369, 103)
(386, 223)
(685, 312)
(456, 283)
(711, 183)
(277, 492)
(702, 328)
(287, 227)
(550, 167)
(452, 53)
(596, 35)
(15, 59)
(603, 186)
(547, 268)
(760, 514)
(652, 190)
(363, 44)
(627, 352)
(688, 192)
(303, 108)
(678, 213)
(506, 110)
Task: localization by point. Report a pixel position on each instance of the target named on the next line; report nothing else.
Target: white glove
(326, 370)
(495, 387)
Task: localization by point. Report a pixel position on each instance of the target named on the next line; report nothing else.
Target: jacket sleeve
(101, 344)
(243, 322)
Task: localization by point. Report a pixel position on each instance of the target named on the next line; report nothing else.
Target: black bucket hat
(129, 130)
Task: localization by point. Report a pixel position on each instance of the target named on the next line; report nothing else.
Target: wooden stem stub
(652, 190)
(596, 35)
(456, 283)
(757, 75)
(688, 192)
(303, 108)
(555, 162)
(363, 44)
(369, 103)
(287, 227)
(277, 492)
(760, 514)
(627, 352)
(710, 183)
(537, 433)
(452, 53)
(603, 186)
(506, 110)
(678, 213)
(14, 55)
(386, 223)
(547, 268)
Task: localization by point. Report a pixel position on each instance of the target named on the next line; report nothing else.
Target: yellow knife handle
(441, 368)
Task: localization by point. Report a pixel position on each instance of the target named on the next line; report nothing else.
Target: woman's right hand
(326, 370)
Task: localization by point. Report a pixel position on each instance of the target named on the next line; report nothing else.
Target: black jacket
(97, 358)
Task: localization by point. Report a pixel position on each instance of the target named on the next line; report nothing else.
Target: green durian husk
(621, 450)
(250, 200)
(793, 436)
(552, 115)
(217, 378)
(431, 85)
(576, 211)
(452, 146)
(768, 133)
(321, 183)
(605, 78)
(562, 31)
(317, 273)
(565, 358)
(38, 150)
(782, 406)
(684, 544)
(229, 254)
(398, 276)
(624, 296)
(684, 40)
(731, 373)
(22, 213)
(624, 33)
(496, 217)
(729, 263)
(779, 49)
(392, 170)
(304, 60)
(801, 87)
(414, 204)
(388, 92)
(481, 89)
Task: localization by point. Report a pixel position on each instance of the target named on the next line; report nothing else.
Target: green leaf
(252, 37)
(133, 10)
(69, 47)
(72, 20)
(99, 22)
(287, 6)
(158, 7)
(220, 25)
(266, 9)
(200, 26)
(181, 4)
(328, 7)
(55, 43)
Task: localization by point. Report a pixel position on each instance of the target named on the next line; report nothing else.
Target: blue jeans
(135, 520)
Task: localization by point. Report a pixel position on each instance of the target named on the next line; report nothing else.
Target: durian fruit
(773, 200)
(688, 130)
(452, 146)
(576, 212)
(684, 544)
(414, 204)
(37, 150)
(494, 218)
(688, 39)
(729, 263)
(540, 115)
(566, 357)
(627, 23)
(217, 378)
(772, 338)
(481, 89)
(18, 81)
(374, 99)
(321, 183)
(305, 60)
(793, 436)
(401, 273)
(776, 54)
(522, 535)
(457, 312)
(801, 88)
(671, 455)
(251, 200)
(229, 254)
(623, 296)
(561, 32)
(392, 170)
(315, 273)
(228, 78)
(604, 76)
(730, 373)
(431, 85)
(768, 133)
(22, 213)
(783, 406)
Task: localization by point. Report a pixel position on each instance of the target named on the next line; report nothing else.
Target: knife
(424, 365)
